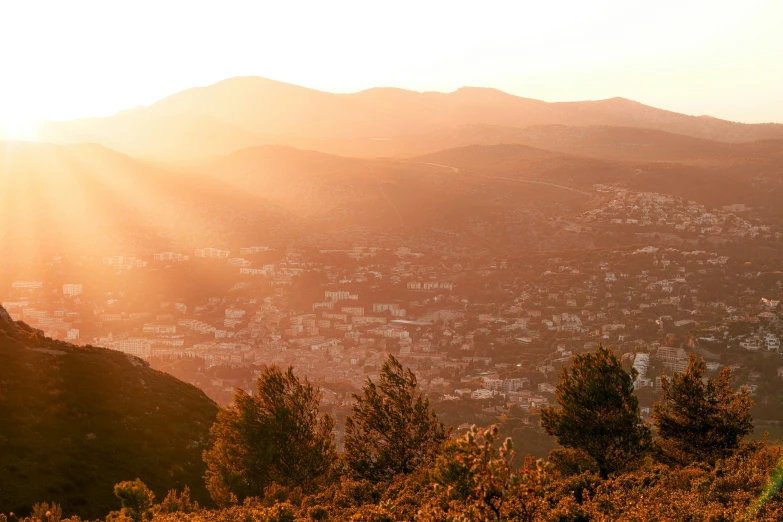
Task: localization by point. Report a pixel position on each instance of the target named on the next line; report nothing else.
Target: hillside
(75, 421)
(733, 180)
(332, 194)
(205, 122)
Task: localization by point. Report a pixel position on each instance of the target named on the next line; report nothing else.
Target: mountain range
(240, 112)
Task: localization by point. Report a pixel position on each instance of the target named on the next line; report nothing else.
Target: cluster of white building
(73, 289)
(212, 253)
(429, 285)
(253, 250)
(170, 256)
(124, 262)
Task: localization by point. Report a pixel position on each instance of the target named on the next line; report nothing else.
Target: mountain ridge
(243, 111)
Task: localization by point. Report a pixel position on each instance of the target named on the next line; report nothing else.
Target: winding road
(517, 180)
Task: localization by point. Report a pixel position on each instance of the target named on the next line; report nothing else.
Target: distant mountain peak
(619, 101)
(469, 88)
(482, 91)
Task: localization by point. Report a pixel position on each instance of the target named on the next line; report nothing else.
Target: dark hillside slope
(75, 421)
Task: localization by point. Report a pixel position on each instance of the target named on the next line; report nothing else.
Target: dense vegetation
(273, 457)
(76, 421)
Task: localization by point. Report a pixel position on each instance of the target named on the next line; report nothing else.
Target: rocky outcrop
(5, 317)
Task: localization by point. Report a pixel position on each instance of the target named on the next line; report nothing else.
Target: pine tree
(599, 413)
(137, 501)
(275, 437)
(701, 419)
(392, 429)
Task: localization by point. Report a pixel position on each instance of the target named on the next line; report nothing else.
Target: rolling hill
(74, 421)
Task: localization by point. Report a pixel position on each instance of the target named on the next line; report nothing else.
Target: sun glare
(17, 127)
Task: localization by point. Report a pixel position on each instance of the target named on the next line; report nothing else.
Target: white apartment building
(170, 256)
(238, 261)
(233, 313)
(26, 285)
(124, 262)
(73, 289)
(752, 343)
(253, 250)
(212, 253)
(515, 384)
(674, 359)
(138, 347)
(383, 307)
(492, 384)
(482, 394)
(641, 363)
(154, 328)
(253, 271)
(340, 295)
(359, 320)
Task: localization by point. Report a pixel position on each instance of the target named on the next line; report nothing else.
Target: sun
(17, 126)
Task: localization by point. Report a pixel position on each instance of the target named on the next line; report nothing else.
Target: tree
(701, 419)
(275, 437)
(136, 499)
(392, 429)
(599, 413)
(178, 502)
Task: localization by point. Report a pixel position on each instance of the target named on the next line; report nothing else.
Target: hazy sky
(67, 59)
